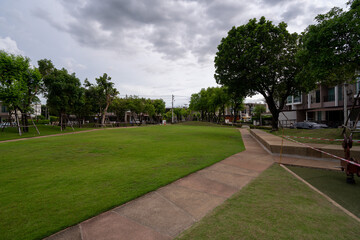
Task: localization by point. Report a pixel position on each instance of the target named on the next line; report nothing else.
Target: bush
(44, 121)
(260, 127)
(54, 119)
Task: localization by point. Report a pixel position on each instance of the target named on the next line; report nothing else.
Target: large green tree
(103, 92)
(62, 90)
(330, 49)
(259, 57)
(19, 85)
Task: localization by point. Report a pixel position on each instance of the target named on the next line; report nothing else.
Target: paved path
(166, 212)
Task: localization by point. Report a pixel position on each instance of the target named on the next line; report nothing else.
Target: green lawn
(275, 206)
(50, 183)
(329, 133)
(333, 184)
(12, 132)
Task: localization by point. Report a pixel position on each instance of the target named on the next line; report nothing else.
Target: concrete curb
(273, 144)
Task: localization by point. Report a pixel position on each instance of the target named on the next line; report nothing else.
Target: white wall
(290, 115)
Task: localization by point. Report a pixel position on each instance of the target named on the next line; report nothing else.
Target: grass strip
(48, 184)
(333, 184)
(275, 206)
(10, 133)
(328, 133)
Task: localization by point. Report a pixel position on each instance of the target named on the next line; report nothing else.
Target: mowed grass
(333, 184)
(12, 132)
(50, 183)
(275, 206)
(328, 133)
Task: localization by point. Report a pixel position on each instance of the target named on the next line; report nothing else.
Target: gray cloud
(173, 28)
(273, 2)
(293, 11)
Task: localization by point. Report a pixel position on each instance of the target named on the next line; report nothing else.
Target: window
(289, 99)
(317, 96)
(297, 97)
(331, 95)
(340, 92)
(319, 116)
(357, 85)
(4, 109)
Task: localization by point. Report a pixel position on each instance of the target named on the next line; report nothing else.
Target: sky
(150, 48)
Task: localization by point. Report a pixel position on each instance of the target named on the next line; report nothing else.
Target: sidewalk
(166, 212)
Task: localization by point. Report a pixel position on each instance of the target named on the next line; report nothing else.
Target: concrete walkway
(166, 212)
(296, 154)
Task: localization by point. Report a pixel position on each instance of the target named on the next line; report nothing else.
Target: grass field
(333, 184)
(50, 183)
(12, 132)
(329, 133)
(275, 206)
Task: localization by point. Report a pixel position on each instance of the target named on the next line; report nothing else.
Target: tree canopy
(330, 49)
(103, 92)
(212, 102)
(19, 84)
(259, 57)
(62, 90)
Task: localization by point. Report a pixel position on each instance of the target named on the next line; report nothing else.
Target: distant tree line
(212, 102)
(21, 84)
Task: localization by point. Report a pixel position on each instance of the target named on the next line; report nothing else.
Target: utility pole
(172, 108)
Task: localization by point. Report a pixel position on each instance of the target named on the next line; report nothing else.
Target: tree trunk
(17, 122)
(24, 122)
(275, 115)
(61, 122)
(104, 113)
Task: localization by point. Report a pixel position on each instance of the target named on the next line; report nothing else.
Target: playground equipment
(348, 166)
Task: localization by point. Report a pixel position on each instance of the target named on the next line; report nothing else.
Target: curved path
(166, 212)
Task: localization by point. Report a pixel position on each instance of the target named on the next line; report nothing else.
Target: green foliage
(259, 57)
(101, 94)
(330, 48)
(153, 108)
(19, 83)
(258, 110)
(62, 89)
(211, 102)
(260, 127)
(54, 119)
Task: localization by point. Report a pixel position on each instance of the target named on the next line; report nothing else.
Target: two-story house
(4, 112)
(323, 105)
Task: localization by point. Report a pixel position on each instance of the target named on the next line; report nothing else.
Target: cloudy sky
(150, 48)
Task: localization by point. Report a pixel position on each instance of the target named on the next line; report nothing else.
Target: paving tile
(220, 167)
(256, 165)
(71, 233)
(198, 204)
(158, 213)
(234, 180)
(112, 226)
(197, 182)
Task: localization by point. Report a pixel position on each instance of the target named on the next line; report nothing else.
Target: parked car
(4, 124)
(309, 125)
